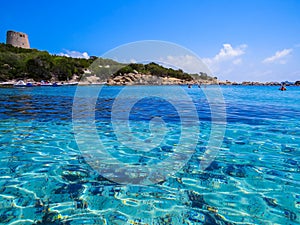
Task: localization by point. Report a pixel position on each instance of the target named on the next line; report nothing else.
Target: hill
(19, 63)
(153, 69)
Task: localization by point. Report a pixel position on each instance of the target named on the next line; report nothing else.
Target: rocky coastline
(145, 79)
(256, 83)
(131, 79)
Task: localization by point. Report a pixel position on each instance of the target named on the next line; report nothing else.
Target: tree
(39, 68)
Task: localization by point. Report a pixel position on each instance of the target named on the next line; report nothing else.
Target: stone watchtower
(17, 39)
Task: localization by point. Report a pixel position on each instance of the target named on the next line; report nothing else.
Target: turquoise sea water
(254, 178)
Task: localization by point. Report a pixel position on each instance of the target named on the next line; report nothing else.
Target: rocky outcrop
(144, 79)
(250, 83)
(255, 83)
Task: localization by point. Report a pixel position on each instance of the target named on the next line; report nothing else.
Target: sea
(150, 155)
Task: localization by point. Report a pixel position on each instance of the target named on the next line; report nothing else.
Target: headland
(33, 66)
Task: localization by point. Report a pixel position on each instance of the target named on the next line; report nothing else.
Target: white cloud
(228, 56)
(133, 61)
(237, 61)
(75, 54)
(228, 52)
(188, 63)
(278, 57)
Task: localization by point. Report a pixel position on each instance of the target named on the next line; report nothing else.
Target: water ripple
(254, 179)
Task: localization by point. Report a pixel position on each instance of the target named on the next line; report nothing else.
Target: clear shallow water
(254, 179)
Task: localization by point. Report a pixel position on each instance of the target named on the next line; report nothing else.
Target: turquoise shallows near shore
(254, 179)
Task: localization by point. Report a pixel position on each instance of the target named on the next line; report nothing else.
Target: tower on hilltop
(17, 39)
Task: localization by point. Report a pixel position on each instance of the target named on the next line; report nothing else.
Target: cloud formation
(237, 61)
(188, 63)
(279, 57)
(75, 54)
(227, 55)
(228, 52)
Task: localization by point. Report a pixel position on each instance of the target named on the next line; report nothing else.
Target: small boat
(45, 83)
(70, 84)
(55, 84)
(21, 83)
(6, 84)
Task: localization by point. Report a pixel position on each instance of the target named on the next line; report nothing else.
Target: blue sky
(238, 40)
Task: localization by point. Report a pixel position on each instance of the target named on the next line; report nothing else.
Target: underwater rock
(213, 166)
(289, 214)
(270, 202)
(74, 190)
(196, 199)
(236, 171)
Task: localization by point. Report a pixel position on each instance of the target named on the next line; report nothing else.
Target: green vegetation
(203, 76)
(19, 63)
(104, 68)
(153, 69)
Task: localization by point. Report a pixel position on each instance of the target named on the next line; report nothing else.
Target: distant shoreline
(134, 79)
(165, 82)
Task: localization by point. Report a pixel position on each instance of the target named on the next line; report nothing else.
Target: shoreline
(145, 80)
(12, 84)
